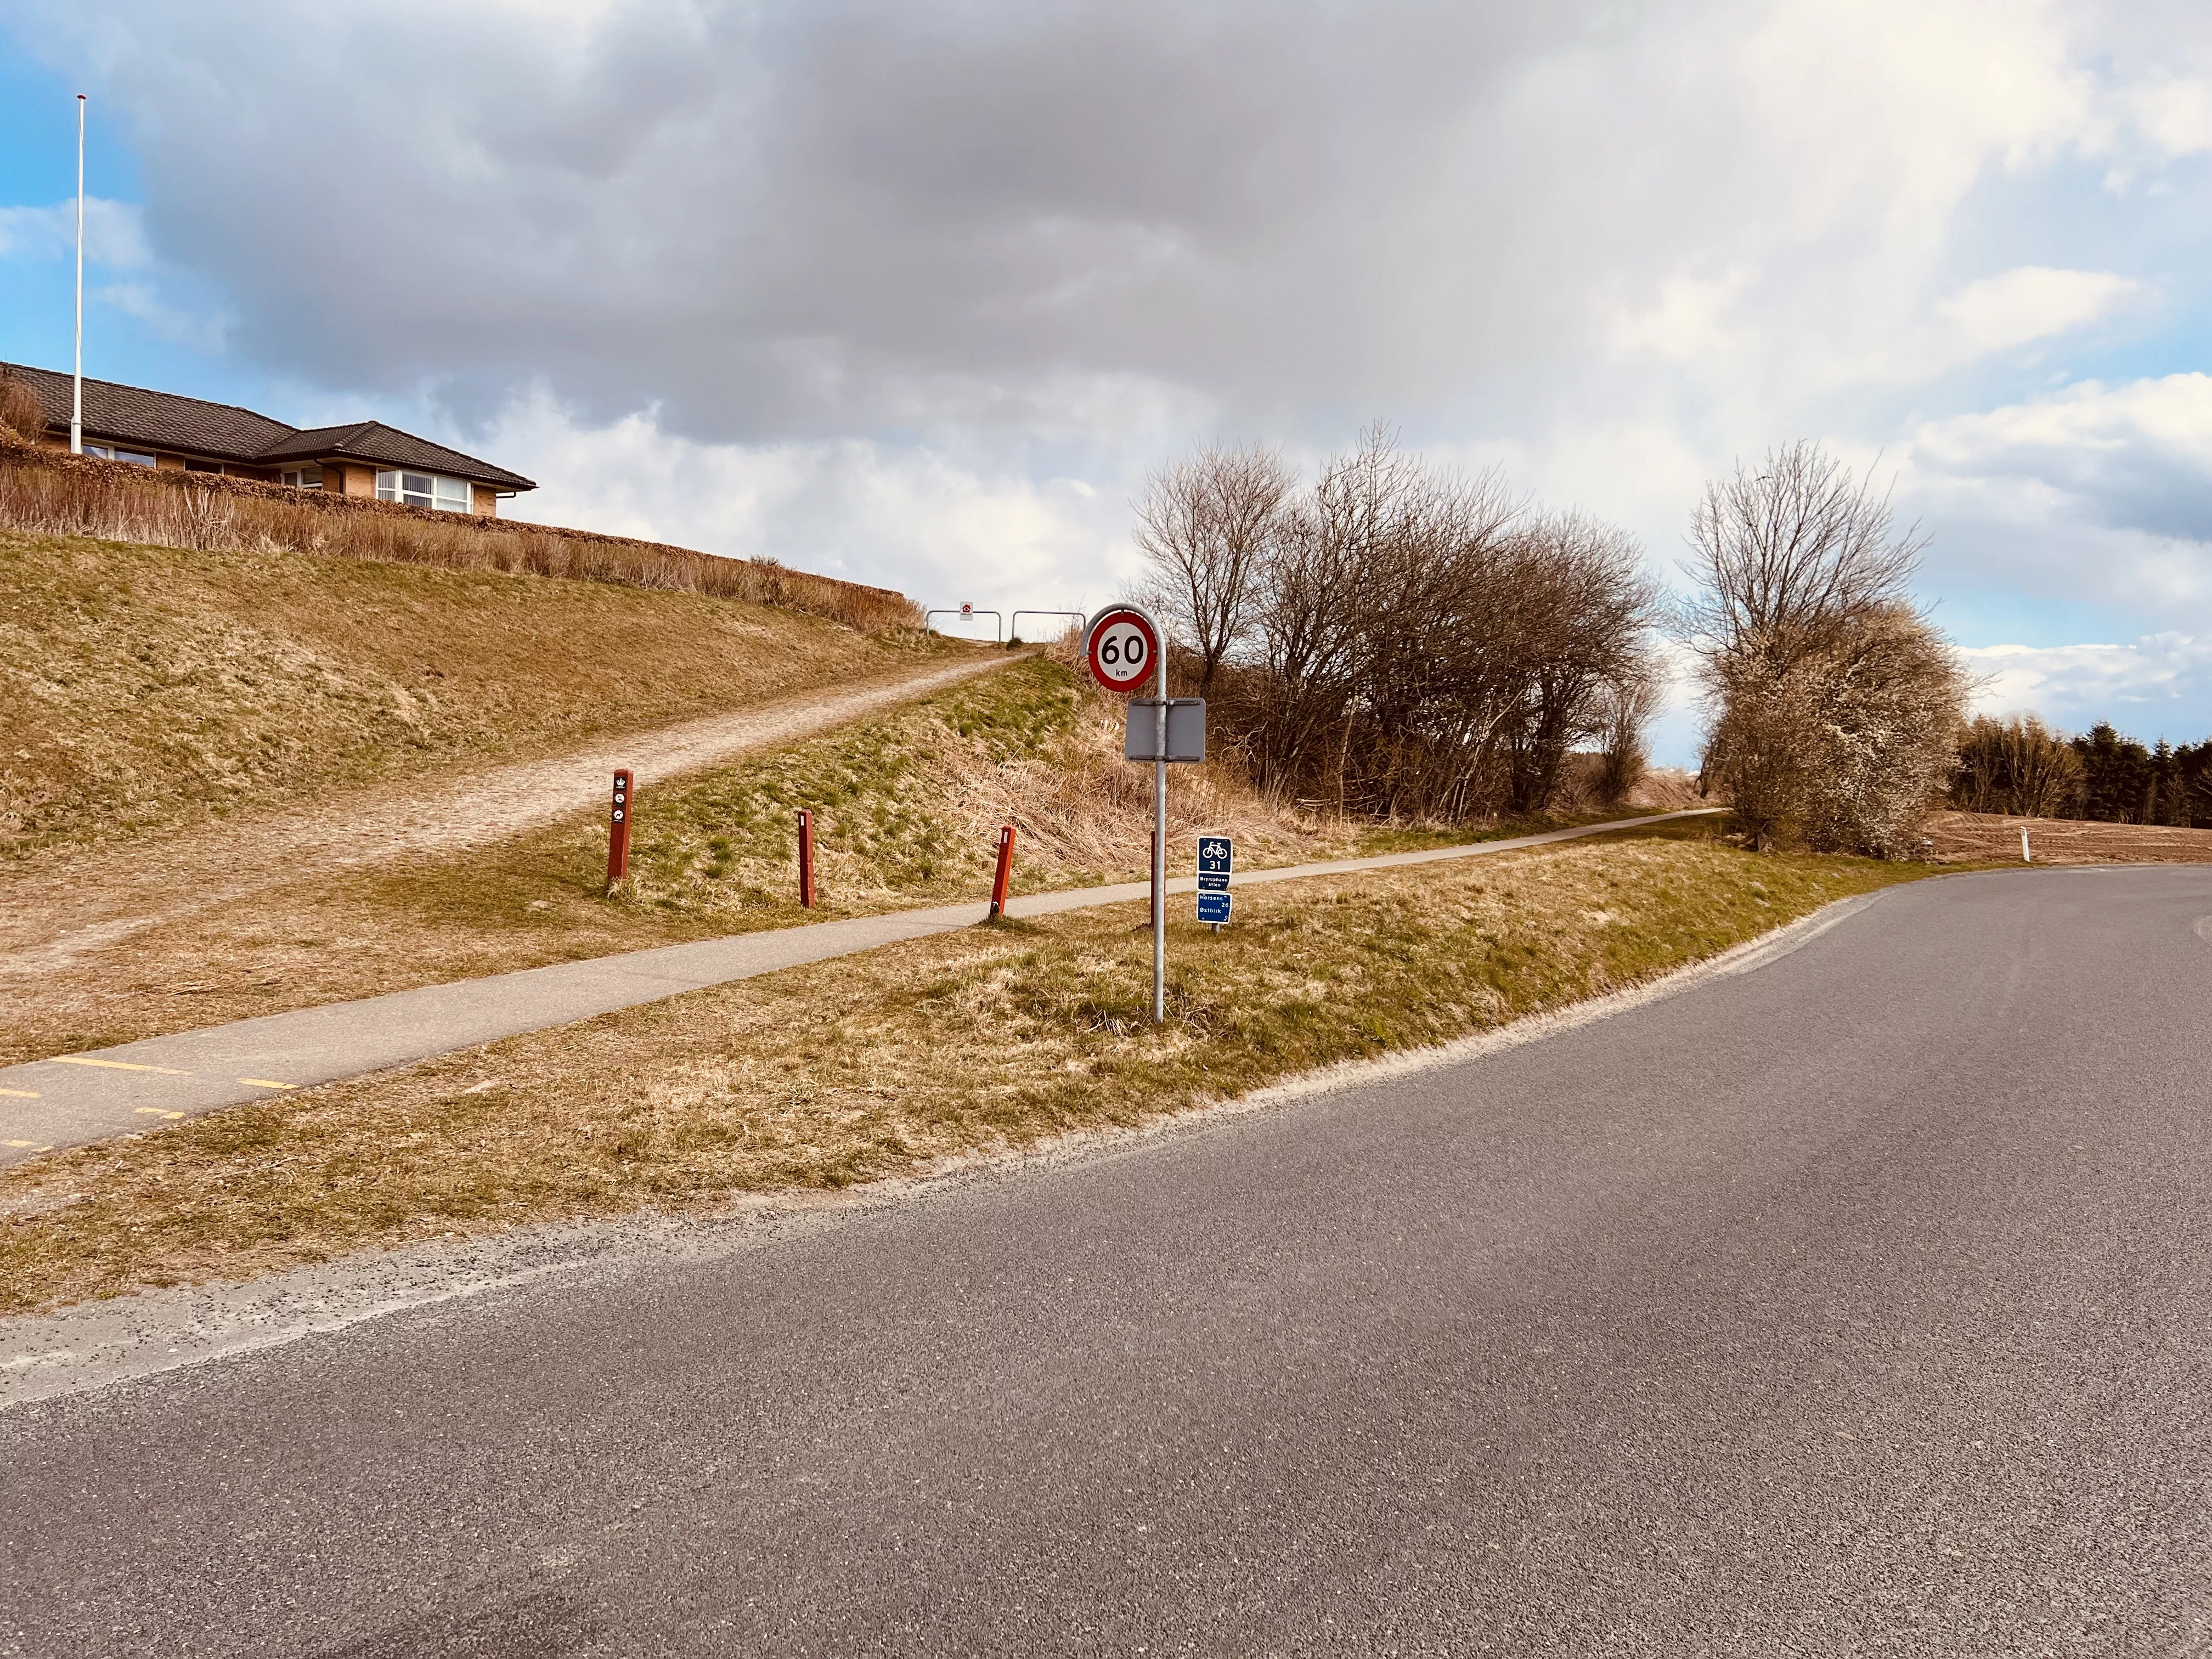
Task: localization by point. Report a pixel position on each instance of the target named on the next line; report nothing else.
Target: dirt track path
(89, 900)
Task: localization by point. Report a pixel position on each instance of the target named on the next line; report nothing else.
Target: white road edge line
(1750, 956)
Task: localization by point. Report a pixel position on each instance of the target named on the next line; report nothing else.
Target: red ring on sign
(1122, 647)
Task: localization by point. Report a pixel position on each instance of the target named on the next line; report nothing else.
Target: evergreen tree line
(2019, 766)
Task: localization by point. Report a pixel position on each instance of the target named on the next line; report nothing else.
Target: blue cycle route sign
(1217, 856)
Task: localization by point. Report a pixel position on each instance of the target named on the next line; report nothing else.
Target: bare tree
(1835, 704)
(1785, 555)
(1588, 607)
(1421, 646)
(1207, 525)
(1319, 592)
(1625, 707)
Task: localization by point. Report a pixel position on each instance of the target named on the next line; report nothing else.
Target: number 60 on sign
(1123, 647)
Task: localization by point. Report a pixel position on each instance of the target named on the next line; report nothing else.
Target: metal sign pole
(1120, 643)
(1160, 843)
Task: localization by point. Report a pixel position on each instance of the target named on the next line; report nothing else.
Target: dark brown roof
(373, 441)
(162, 420)
(128, 413)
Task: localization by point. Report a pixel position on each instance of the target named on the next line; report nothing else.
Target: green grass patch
(894, 800)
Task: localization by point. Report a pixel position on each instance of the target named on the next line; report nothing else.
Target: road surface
(1859, 1304)
(74, 1099)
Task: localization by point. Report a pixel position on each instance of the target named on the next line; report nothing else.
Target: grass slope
(145, 687)
(994, 1039)
(907, 809)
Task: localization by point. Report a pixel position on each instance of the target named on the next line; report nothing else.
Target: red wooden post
(619, 830)
(807, 859)
(1005, 871)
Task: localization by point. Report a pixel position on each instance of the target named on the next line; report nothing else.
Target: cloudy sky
(917, 293)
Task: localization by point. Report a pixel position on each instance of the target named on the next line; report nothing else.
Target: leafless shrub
(1624, 708)
(1207, 525)
(1582, 656)
(22, 414)
(1422, 646)
(1835, 704)
(48, 493)
(2018, 766)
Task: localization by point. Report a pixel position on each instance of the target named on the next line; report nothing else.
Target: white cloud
(2032, 303)
(2133, 460)
(942, 528)
(816, 218)
(114, 233)
(1691, 317)
(164, 320)
(2175, 114)
(887, 289)
(2171, 413)
(2154, 687)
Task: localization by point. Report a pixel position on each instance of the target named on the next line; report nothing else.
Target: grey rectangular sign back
(1186, 729)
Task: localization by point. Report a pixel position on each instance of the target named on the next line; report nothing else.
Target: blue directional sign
(1217, 856)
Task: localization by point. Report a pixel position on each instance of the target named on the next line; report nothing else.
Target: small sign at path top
(1122, 645)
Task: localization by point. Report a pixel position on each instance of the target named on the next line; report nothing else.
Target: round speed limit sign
(1124, 647)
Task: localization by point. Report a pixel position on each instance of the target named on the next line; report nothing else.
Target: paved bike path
(74, 1099)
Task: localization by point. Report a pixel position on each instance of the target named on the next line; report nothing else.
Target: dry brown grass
(968, 1045)
(143, 686)
(23, 411)
(1982, 838)
(1668, 789)
(907, 806)
(47, 493)
(1657, 788)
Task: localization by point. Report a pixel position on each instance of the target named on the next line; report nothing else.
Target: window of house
(107, 453)
(192, 466)
(303, 477)
(423, 490)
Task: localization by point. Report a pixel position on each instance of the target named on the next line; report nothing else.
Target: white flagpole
(76, 395)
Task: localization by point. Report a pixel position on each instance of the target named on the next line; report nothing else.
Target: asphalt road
(72, 1100)
(1860, 1304)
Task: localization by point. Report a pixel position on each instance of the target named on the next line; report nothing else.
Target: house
(368, 458)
